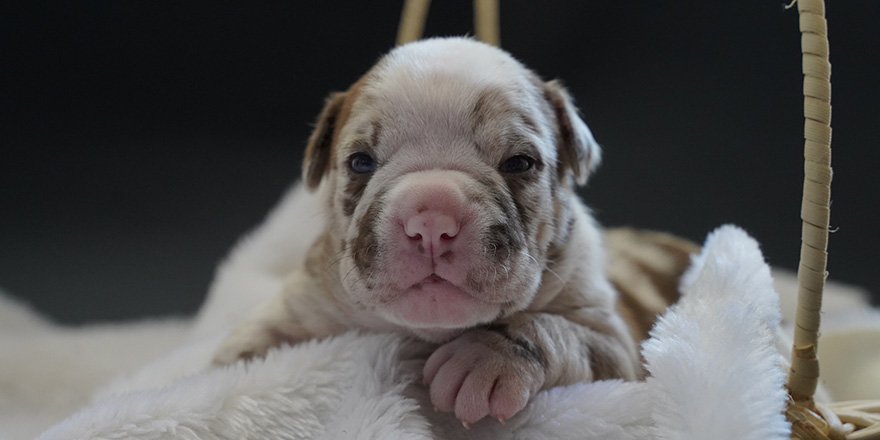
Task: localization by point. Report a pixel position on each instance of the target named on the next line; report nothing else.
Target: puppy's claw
(501, 420)
(466, 425)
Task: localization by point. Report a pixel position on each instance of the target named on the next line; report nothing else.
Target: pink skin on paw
(446, 380)
(475, 380)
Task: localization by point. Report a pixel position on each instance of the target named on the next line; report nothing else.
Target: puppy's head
(449, 169)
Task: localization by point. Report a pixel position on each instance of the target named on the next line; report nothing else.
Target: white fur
(715, 375)
(448, 64)
(722, 334)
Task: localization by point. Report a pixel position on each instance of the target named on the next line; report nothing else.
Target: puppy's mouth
(430, 280)
(434, 302)
(434, 288)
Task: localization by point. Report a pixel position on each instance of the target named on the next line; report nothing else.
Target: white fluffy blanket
(715, 372)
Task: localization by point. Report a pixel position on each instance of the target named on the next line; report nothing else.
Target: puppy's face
(449, 168)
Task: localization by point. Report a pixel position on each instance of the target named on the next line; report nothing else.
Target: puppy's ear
(577, 149)
(319, 150)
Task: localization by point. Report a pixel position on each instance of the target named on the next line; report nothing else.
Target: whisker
(348, 273)
(553, 272)
(336, 261)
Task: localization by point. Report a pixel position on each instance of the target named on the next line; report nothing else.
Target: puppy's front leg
(300, 312)
(260, 331)
(495, 370)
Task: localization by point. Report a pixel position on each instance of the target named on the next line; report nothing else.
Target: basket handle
(815, 206)
(415, 12)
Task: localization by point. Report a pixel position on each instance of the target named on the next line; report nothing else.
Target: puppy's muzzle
(433, 244)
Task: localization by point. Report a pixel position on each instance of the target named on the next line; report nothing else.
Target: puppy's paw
(484, 373)
(246, 344)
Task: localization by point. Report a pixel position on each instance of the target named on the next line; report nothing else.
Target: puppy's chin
(437, 304)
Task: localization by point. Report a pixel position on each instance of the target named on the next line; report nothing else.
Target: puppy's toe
(479, 374)
(447, 382)
(245, 345)
(508, 397)
(230, 355)
(472, 402)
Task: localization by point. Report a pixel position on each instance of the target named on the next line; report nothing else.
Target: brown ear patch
(578, 152)
(318, 151)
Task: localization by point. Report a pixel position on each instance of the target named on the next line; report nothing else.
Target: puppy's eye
(361, 163)
(517, 164)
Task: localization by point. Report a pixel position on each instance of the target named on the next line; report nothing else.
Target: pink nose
(433, 231)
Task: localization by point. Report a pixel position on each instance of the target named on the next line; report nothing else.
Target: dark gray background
(141, 138)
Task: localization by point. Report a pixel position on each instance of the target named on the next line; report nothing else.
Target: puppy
(448, 174)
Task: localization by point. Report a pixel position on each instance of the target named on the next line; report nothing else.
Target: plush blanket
(715, 369)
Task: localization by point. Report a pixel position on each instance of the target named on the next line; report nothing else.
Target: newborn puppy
(448, 175)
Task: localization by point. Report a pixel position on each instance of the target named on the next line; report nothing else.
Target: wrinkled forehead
(452, 96)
